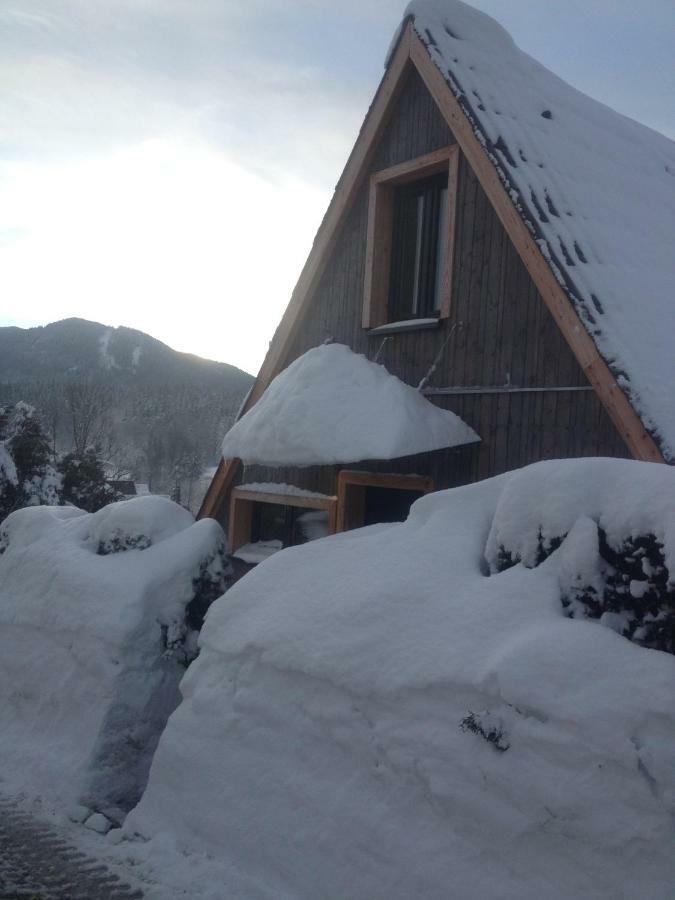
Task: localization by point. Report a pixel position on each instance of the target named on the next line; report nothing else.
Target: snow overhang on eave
(332, 406)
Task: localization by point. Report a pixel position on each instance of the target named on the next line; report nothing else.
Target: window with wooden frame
(289, 518)
(366, 498)
(409, 251)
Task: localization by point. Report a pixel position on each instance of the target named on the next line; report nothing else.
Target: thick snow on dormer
(334, 406)
(596, 189)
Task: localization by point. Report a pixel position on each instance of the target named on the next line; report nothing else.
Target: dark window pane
(419, 218)
(289, 524)
(388, 504)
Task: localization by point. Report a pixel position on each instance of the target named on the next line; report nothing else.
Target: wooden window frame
(352, 491)
(380, 230)
(241, 511)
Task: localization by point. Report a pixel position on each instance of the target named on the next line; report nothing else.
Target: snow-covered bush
(93, 645)
(623, 532)
(318, 747)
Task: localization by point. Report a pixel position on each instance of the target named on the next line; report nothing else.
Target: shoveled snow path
(38, 862)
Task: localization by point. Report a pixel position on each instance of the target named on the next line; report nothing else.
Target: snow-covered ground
(319, 748)
(93, 637)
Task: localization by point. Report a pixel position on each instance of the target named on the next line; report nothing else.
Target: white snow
(98, 823)
(258, 551)
(334, 406)
(404, 325)
(597, 188)
(7, 468)
(91, 645)
(625, 500)
(273, 487)
(319, 747)
(108, 361)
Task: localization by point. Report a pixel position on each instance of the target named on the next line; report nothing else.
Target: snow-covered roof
(334, 406)
(596, 189)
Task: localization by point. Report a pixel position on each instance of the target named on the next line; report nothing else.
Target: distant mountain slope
(77, 348)
(160, 415)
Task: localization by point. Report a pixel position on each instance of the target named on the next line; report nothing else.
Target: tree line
(161, 435)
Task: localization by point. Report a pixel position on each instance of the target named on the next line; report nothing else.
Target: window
(277, 516)
(366, 498)
(417, 248)
(411, 221)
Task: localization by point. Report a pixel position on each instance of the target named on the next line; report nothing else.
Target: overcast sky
(164, 164)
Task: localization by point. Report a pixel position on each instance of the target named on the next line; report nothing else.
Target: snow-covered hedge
(616, 524)
(93, 641)
(376, 715)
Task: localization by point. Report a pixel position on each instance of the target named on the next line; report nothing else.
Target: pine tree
(84, 482)
(27, 477)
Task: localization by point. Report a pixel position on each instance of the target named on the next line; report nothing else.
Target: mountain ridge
(76, 348)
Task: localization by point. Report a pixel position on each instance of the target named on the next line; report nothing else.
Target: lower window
(266, 518)
(366, 498)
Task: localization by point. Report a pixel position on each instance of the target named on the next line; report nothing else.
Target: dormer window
(411, 221)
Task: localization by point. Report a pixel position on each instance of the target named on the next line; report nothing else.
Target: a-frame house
(464, 252)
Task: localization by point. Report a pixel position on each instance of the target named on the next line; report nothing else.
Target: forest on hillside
(148, 412)
(164, 436)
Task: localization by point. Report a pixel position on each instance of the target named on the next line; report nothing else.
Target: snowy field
(319, 748)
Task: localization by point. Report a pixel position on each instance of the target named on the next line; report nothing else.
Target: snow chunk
(596, 190)
(257, 552)
(334, 406)
(334, 680)
(98, 823)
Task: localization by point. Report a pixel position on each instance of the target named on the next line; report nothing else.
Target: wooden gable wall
(503, 334)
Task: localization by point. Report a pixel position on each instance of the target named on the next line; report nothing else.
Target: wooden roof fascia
(350, 181)
(621, 411)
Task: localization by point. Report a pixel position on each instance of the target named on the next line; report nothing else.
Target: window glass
(291, 525)
(418, 245)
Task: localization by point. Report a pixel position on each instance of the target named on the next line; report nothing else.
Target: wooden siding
(503, 335)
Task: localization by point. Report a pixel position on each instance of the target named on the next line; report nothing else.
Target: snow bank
(92, 637)
(596, 189)
(334, 406)
(329, 739)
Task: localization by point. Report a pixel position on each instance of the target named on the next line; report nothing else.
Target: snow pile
(596, 189)
(93, 639)
(334, 406)
(375, 715)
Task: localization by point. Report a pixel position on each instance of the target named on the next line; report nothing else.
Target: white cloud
(171, 238)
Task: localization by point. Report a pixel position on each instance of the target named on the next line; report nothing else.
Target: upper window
(410, 237)
(418, 249)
